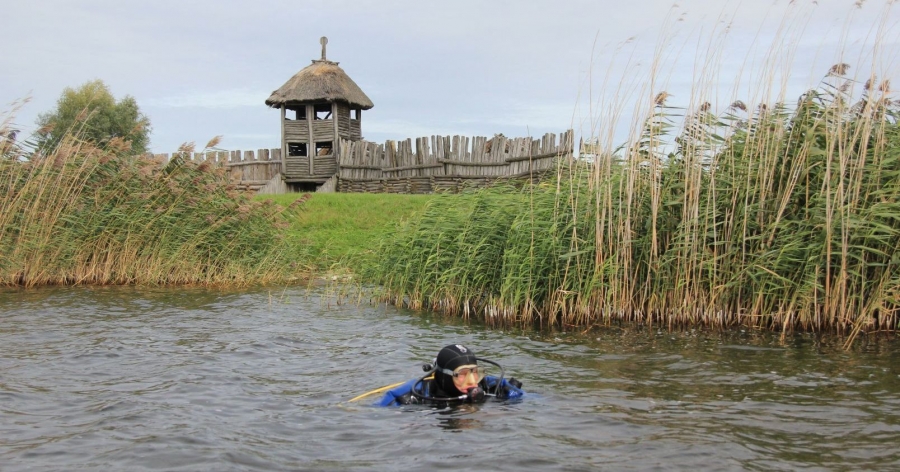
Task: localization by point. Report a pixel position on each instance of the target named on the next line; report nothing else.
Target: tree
(92, 113)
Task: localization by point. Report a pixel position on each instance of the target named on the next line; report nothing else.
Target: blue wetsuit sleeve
(506, 390)
(394, 396)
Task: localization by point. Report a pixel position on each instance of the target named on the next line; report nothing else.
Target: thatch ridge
(321, 80)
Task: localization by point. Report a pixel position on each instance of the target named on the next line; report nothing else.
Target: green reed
(79, 214)
(777, 217)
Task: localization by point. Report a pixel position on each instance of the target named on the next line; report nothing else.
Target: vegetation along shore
(773, 216)
(776, 217)
(86, 214)
(777, 214)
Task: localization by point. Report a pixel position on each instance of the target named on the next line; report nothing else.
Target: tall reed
(774, 216)
(80, 214)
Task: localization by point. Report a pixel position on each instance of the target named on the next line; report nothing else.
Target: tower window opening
(297, 149)
(323, 112)
(324, 148)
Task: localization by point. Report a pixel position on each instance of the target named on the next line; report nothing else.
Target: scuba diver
(454, 377)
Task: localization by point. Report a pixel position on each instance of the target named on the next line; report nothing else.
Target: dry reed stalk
(769, 216)
(79, 214)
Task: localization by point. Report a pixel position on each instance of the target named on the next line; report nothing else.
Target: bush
(92, 113)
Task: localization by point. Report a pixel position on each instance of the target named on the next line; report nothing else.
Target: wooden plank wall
(446, 163)
(295, 131)
(421, 165)
(250, 170)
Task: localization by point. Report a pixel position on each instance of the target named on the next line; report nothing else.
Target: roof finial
(323, 42)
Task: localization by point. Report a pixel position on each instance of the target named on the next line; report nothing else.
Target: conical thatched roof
(322, 80)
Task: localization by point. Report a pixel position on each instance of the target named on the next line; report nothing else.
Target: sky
(203, 68)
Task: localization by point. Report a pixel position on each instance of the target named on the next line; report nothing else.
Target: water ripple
(127, 378)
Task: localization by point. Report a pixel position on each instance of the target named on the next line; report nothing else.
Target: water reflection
(459, 417)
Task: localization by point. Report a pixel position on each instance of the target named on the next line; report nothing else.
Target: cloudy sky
(204, 68)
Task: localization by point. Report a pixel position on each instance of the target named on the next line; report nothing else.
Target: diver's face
(466, 377)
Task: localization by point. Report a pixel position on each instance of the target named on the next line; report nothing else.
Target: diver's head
(456, 370)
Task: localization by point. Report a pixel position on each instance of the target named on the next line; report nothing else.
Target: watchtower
(319, 105)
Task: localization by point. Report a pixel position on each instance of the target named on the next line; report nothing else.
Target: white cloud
(528, 117)
(219, 99)
(397, 129)
(250, 136)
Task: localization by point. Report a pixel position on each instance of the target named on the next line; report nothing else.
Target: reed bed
(81, 214)
(781, 217)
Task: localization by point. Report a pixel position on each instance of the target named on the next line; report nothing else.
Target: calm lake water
(188, 379)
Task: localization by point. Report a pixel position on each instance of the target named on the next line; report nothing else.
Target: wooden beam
(412, 167)
(350, 166)
(539, 156)
(334, 118)
(251, 163)
(283, 138)
(472, 164)
(314, 179)
(311, 145)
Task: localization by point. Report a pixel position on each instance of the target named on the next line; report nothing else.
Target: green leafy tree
(91, 112)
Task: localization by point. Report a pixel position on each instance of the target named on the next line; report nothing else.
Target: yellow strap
(382, 389)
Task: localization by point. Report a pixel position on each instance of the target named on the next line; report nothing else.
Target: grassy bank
(85, 214)
(335, 231)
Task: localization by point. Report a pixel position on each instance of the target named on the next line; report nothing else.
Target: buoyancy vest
(507, 389)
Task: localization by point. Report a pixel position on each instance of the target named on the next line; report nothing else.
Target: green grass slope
(342, 230)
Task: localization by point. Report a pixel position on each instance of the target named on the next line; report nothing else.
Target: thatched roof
(322, 80)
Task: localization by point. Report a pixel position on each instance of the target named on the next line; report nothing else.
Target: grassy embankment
(335, 232)
(83, 214)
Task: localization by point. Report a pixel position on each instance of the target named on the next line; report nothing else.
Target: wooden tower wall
(316, 167)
